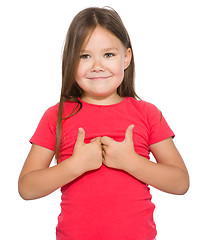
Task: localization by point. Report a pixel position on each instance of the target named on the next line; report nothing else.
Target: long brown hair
(81, 27)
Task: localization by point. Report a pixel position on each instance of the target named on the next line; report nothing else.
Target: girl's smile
(98, 78)
(103, 59)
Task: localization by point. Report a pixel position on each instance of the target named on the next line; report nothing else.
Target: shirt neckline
(98, 105)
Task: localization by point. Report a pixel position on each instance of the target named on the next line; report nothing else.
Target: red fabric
(106, 204)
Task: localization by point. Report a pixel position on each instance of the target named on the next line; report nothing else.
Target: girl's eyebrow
(105, 50)
(110, 49)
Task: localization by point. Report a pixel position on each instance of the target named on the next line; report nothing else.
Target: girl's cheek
(81, 71)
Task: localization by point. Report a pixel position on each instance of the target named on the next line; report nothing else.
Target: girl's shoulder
(49, 118)
(149, 112)
(53, 110)
(142, 105)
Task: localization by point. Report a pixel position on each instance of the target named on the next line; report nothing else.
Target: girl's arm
(37, 179)
(169, 174)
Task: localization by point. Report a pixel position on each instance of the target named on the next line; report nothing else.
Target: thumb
(97, 139)
(106, 140)
(129, 133)
(81, 136)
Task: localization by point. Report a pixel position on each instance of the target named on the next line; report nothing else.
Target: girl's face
(103, 59)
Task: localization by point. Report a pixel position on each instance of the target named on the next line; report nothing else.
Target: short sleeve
(159, 129)
(45, 133)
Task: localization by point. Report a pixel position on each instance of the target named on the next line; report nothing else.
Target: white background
(167, 40)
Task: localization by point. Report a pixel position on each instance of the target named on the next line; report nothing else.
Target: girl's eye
(108, 55)
(85, 56)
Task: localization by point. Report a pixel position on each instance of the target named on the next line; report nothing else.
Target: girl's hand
(118, 154)
(87, 157)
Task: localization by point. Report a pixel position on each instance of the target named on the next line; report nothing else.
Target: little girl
(101, 134)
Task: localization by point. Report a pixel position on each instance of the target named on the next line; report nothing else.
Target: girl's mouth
(98, 78)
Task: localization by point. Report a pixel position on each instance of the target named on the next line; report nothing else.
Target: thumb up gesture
(104, 150)
(118, 154)
(87, 156)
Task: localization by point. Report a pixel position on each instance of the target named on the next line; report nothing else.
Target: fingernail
(80, 130)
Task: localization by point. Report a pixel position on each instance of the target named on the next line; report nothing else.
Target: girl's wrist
(74, 169)
(133, 164)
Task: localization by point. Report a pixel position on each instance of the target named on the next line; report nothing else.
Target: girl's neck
(102, 100)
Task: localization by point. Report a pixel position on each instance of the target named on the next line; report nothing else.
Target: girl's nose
(97, 66)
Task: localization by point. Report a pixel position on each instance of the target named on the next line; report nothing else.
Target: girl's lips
(98, 78)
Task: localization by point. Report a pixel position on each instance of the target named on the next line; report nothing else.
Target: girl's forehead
(102, 38)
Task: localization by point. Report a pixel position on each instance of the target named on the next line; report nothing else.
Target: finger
(103, 157)
(81, 136)
(104, 148)
(97, 139)
(93, 140)
(103, 154)
(129, 133)
(106, 140)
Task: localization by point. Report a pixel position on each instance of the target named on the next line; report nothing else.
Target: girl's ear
(128, 56)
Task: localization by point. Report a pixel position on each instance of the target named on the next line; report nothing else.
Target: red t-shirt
(105, 204)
